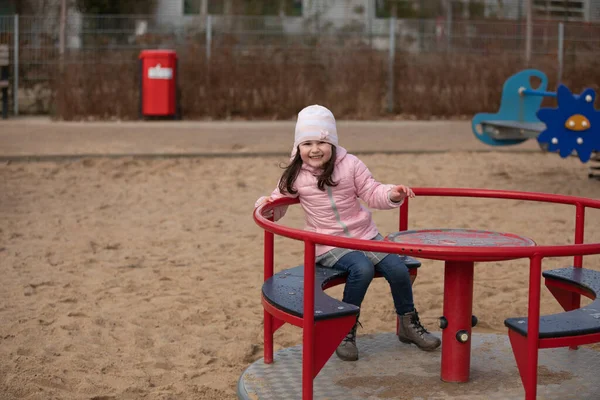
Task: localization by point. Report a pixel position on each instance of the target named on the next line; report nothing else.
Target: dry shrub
(450, 85)
(276, 82)
(106, 89)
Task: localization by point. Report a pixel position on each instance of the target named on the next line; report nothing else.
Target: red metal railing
(448, 253)
(535, 254)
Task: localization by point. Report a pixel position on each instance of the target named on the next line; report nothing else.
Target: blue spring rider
(571, 128)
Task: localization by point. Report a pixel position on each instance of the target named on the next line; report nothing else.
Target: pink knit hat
(315, 123)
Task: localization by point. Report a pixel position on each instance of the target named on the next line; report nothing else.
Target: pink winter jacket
(337, 211)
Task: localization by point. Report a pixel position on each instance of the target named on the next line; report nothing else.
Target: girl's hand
(262, 201)
(400, 192)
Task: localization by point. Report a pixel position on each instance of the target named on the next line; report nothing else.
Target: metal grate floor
(388, 369)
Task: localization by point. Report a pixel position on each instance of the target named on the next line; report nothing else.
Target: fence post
(61, 36)
(208, 36)
(16, 66)
(449, 25)
(421, 27)
(528, 33)
(561, 41)
(391, 60)
(370, 9)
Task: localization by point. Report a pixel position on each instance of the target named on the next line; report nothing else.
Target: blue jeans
(361, 272)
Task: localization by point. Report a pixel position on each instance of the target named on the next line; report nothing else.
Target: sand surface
(139, 278)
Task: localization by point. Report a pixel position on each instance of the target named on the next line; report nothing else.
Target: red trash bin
(158, 86)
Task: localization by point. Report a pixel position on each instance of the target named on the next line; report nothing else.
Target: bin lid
(159, 53)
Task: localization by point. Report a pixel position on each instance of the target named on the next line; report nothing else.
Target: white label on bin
(160, 73)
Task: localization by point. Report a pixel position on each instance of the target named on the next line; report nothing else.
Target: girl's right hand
(263, 200)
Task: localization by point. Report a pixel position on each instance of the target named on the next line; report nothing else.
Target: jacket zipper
(336, 213)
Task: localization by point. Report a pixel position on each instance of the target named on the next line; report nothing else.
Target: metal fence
(37, 48)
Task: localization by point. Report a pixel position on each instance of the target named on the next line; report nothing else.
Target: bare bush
(276, 82)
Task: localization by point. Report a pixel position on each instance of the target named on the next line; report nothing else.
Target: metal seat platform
(388, 369)
(507, 130)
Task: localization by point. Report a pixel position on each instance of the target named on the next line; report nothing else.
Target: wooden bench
(576, 326)
(283, 301)
(4, 62)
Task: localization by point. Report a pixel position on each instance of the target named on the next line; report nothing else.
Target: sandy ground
(139, 278)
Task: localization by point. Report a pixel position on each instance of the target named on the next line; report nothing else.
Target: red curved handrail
(444, 252)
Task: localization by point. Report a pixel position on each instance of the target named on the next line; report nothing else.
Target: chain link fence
(399, 32)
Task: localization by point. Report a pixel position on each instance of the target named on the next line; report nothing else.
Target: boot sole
(346, 358)
(343, 358)
(407, 341)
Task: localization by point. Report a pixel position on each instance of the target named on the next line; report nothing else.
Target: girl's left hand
(400, 192)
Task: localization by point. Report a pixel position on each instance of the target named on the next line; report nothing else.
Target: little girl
(329, 183)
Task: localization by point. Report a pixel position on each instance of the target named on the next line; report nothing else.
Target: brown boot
(410, 330)
(347, 350)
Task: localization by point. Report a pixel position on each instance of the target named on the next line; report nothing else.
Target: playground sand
(140, 278)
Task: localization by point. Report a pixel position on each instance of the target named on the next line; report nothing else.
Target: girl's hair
(288, 178)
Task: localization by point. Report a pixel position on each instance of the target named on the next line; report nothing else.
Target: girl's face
(315, 153)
